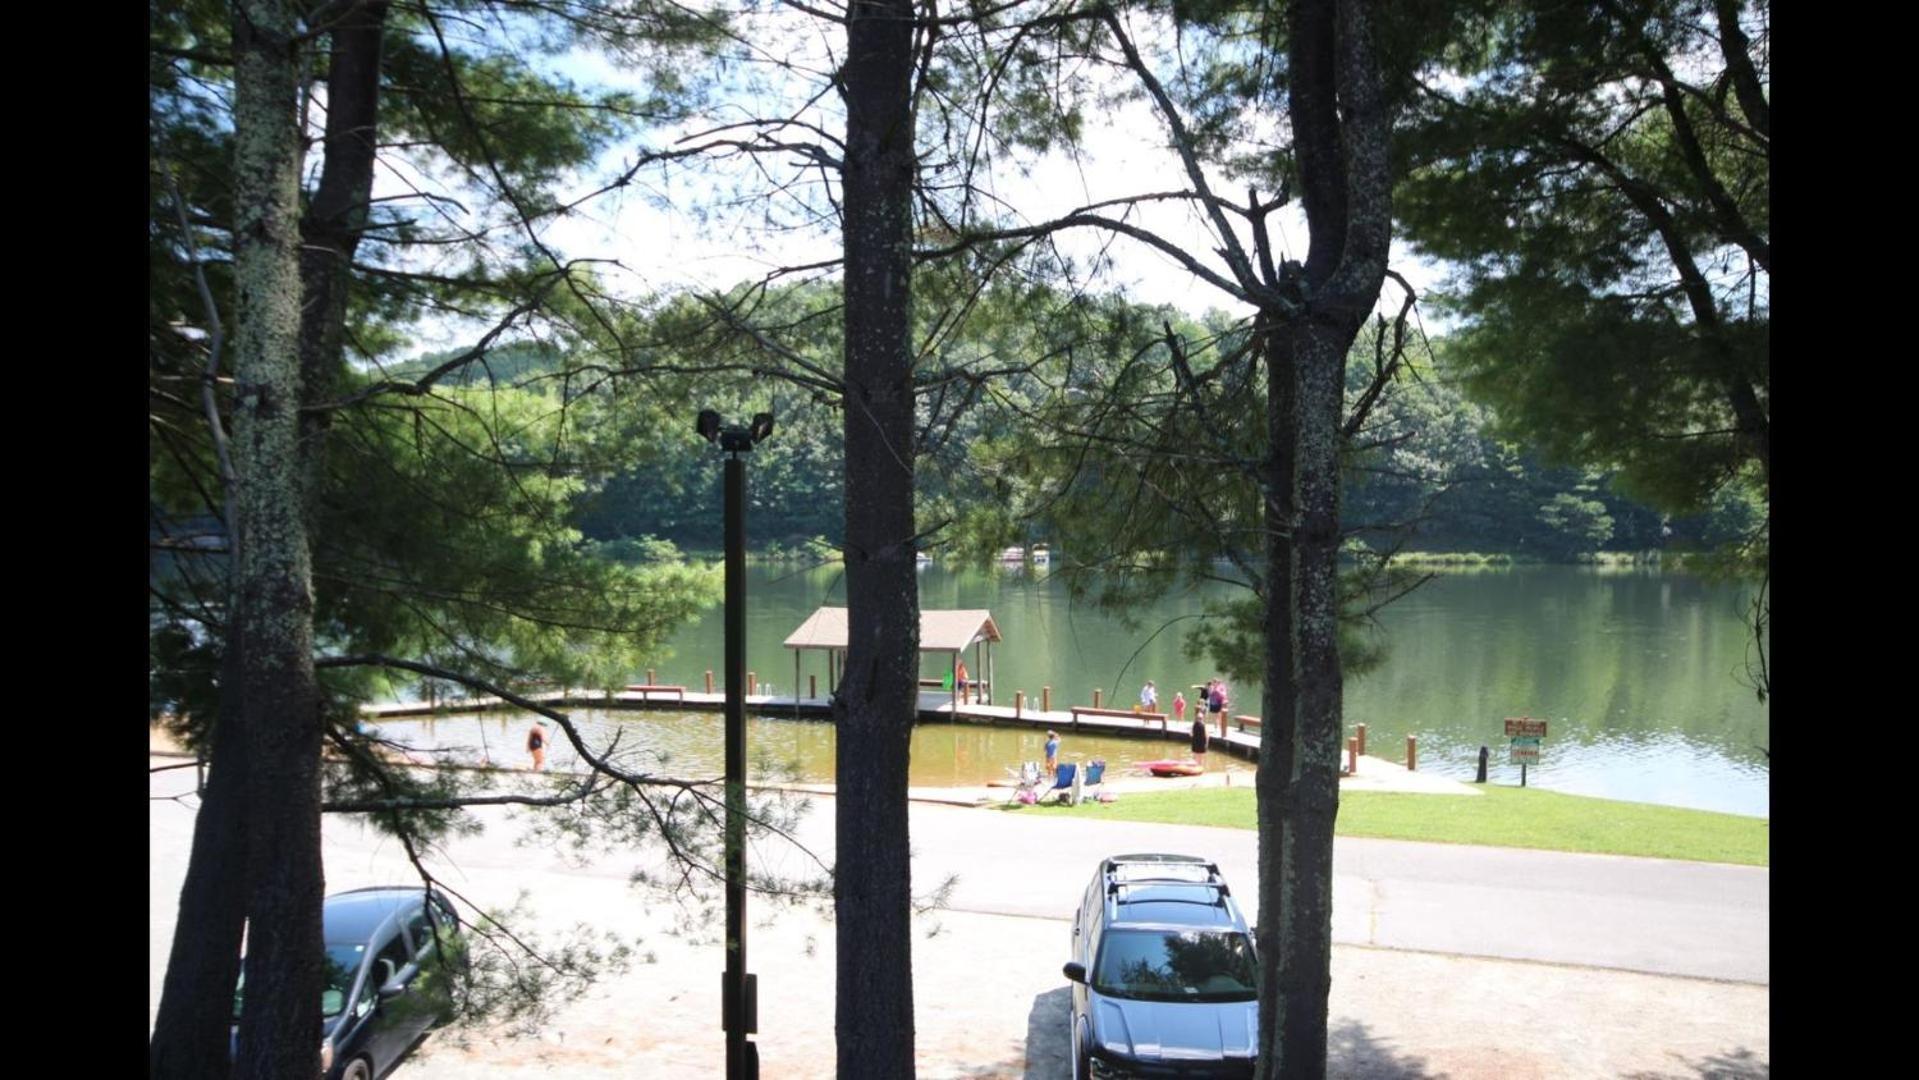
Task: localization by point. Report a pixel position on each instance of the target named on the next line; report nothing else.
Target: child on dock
(1179, 707)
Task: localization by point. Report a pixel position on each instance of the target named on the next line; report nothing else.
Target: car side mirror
(1075, 971)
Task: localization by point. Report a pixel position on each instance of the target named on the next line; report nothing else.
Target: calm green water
(1636, 672)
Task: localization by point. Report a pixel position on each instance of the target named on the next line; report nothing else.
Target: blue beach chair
(1062, 779)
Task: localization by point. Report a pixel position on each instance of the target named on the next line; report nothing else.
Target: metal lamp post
(739, 991)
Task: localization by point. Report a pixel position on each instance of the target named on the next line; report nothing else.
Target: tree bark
(1340, 130)
(192, 1032)
(279, 1027)
(877, 699)
(335, 221)
(192, 1029)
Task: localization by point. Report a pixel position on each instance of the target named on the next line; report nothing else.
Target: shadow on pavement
(1740, 1064)
(1353, 1054)
(1049, 1041)
(1351, 1051)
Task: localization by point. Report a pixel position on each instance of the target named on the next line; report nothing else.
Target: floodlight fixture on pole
(734, 440)
(739, 990)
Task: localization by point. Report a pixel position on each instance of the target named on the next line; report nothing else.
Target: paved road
(1652, 915)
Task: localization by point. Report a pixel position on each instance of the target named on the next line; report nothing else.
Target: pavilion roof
(940, 631)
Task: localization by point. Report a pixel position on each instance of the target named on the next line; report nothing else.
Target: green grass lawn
(1502, 817)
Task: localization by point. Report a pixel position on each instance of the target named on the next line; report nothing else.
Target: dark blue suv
(1165, 979)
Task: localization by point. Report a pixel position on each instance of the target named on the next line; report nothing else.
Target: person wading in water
(536, 745)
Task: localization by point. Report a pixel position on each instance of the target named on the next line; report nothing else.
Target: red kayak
(1172, 767)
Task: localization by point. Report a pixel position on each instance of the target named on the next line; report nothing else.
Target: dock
(1372, 772)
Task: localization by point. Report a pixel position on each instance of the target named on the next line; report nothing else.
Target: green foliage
(1605, 204)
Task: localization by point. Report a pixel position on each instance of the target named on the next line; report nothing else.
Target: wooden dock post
(709, 682)
(1362, 738)
(1352, 756)
(812, 686)
(650, 680)
(1019, 703)
(1096, 693)
(1412, 752)
(1045, 699)
(752, 684)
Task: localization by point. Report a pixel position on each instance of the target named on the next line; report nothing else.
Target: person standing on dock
(1216, 703)
(1200, 737)
(1179, 708)
(1148, 698)
(536, 745)
(959, 678)
(1052, 752)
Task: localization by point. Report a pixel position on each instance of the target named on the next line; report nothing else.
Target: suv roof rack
(1213, 879)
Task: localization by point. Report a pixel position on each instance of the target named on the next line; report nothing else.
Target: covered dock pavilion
(951, 632)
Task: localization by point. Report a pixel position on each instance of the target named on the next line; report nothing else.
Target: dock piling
(1362, 738)
(1412, 753)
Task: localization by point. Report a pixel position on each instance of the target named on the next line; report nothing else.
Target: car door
(392, 1027)
(421, 1013)
(1086, 927)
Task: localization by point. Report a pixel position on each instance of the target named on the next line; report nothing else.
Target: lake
(1637, 671)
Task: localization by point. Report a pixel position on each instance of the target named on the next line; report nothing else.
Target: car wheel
(357, 1069)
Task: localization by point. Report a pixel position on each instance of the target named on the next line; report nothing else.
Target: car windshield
(1177, 965)
(342, 963)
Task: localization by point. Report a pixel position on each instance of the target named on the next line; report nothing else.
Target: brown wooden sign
(1526, 727)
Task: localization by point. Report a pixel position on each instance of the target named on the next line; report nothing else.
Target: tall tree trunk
(192, 1028)
(1274, 782)
(1340, 131)
(1298, 779)
(192, 1031)
(279, 1028)
(878, 698)
(335, 221)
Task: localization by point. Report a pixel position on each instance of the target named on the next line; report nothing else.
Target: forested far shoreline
(1455, 494)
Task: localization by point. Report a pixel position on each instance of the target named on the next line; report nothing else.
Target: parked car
(375, 1004)
(1165, 979)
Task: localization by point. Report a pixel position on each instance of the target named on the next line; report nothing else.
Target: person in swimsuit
(959, 678)
(1052, 752)
(1179, 707)
(536, 745)
(1200, 736)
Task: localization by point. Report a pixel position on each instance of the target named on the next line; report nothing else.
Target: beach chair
(1027, 779)
(1063, 779)
(1094, 771)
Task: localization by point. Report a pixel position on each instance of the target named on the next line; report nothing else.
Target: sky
(683, 227)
